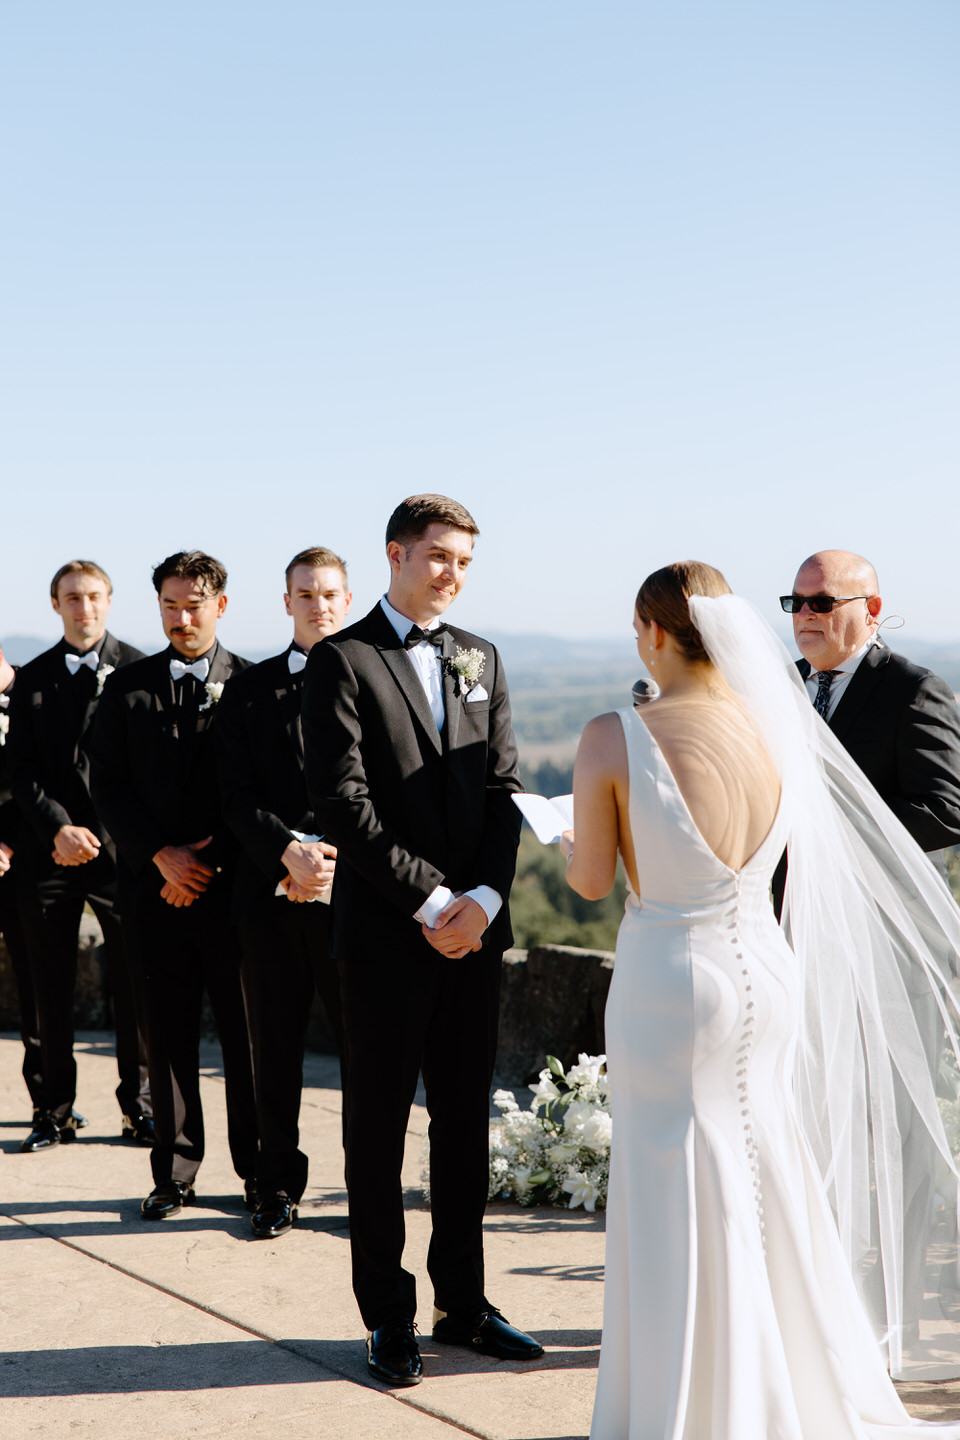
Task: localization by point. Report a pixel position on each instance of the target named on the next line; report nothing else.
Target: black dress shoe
(166, 1199)
(393, 1354)
(138, 1128)
(46, 1133)
(80, 1122)
(251, 1196)
(488, 1332)
(273, 1216)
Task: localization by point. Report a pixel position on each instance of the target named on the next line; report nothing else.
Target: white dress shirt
(428, 664)
(841, 677)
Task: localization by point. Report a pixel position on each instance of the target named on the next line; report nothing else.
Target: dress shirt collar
(847, 667)
(401, 623)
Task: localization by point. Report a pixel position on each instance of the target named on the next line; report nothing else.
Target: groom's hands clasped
(458, 928)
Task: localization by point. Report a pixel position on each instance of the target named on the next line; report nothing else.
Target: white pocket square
(477, 693)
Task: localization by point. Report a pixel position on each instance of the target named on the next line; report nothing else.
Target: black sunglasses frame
(817, 604)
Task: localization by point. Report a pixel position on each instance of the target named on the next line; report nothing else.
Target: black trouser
(284, 958)
(12, 932)
(177, 955)
(50, 915)
(401, 1016)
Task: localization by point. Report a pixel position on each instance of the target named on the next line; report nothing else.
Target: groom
(411, 764)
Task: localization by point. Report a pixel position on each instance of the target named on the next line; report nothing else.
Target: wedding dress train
(730, 1308)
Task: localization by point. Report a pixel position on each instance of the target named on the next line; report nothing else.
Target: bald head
(827, 640)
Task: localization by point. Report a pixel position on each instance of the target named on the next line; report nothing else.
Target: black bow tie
(415, 636)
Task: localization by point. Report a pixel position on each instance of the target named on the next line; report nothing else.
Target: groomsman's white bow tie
(296, 661)
(91, 660)
(200, 669)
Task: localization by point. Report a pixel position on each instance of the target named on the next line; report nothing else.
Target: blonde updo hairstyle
(663, 597)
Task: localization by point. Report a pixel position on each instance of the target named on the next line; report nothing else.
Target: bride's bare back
(727, 779)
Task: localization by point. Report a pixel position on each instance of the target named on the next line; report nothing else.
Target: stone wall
(551, 1003)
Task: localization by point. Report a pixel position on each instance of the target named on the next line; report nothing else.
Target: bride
(754, 1279)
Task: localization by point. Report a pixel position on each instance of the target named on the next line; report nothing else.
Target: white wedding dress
(730, 1309)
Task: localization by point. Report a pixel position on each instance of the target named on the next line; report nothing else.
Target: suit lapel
(401, 668)
(859, 691)
(286, 692)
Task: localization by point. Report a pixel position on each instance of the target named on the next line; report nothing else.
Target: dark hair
(663, 597)
(192, 565)
(318, 557)
(79, 567)
(412, 517)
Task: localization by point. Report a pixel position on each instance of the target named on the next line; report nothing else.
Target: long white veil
(876, 934)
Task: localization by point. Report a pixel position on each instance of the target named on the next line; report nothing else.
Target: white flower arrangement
(214, 689)
(561, 1157)
(102, 674)
(468, 666)
(4, 727)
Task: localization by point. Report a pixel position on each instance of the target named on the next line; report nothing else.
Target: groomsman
(65, 857)
(411, 768)
(283, 867)
(10, 927)
(154, 782)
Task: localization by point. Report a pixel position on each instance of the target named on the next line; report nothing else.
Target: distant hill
(557, 685)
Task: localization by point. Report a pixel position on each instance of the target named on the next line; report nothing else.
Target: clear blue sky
(635, 282)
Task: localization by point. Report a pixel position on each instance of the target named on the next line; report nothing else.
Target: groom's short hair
(192, 565)
(318, 557)
(414, 515)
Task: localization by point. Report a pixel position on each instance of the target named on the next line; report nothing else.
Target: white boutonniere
(4, 727)
(214, 689)
(468, 666)
(102, 674)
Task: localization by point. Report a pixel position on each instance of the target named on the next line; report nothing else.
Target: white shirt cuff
(433, 904)
(488, 900)
(485, 896)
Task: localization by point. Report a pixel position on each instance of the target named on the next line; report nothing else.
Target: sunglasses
(817, 604)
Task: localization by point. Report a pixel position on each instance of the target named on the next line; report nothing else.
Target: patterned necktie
(822, 700)
(91, 660)
(416, 636)
(296, 660)
(200, 669)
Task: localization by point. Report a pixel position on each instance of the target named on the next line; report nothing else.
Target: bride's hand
(566, 844)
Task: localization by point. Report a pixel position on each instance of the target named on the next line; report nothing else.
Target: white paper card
(547, 818)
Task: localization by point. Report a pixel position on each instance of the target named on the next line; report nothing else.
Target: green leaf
(556, 1068)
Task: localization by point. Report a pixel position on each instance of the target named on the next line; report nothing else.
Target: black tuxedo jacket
(901, 724)
(9, 814)
(259, 746)
(153, 768)
(51, 721)
(407, 807)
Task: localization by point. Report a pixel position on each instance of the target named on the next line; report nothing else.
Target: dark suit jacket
(901, 724)
(51, 720)
(407, 808)
(153, 768)
(9, 814)
(259, 746)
